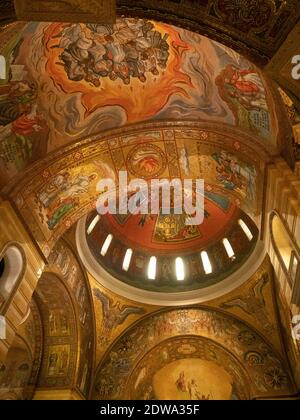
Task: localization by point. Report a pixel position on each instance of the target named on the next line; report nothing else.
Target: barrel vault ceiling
(257, 28)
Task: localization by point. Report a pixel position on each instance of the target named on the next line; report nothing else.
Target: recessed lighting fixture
(93, 224)
(206, 262)
(152, 268)
(229, 249)
(180, 274)
(106, 245)
(246, 230)
(127, 259)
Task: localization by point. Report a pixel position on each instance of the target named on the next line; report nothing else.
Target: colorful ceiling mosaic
(254, 28)
(66, 308)
(188, 368)
(64, 261)
(60, 191)
(254, 303)
(265, 372)
(68, 81)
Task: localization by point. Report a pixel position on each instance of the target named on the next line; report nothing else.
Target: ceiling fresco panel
(255, 30)
(68, 81)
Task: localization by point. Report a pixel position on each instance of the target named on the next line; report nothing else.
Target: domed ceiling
(167, 238)
(164, 233)
(69, 81)
(82, 102)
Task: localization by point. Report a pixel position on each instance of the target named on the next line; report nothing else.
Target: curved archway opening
(12, 267)
(282, 240)
(180, 334)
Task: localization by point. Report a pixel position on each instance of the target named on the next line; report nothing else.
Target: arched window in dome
(140, 253)
(12, 265)
(93, 224)
(106, 245)
(246, 229)
(229, 249)
(152, 268)
(127, 259)
(180, 271)
(206, 263)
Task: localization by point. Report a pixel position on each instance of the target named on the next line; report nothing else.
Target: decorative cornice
(66, 11)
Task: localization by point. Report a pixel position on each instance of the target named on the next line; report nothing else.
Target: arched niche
(265, 373)
(64, 262)
(287, 253)
(282, 240)
(188, 367)
(58, 366)
(64, 301)
(12, 268)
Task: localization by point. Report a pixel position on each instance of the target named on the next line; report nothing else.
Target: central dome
(160, 253)
(169, 233)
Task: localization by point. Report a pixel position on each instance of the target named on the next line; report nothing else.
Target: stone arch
(60, 335)
(82, 165)
(66, 307)
(13, 261)
(150, 372)
(265, 367)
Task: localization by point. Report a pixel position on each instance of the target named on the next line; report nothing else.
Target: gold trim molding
(88, 11)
